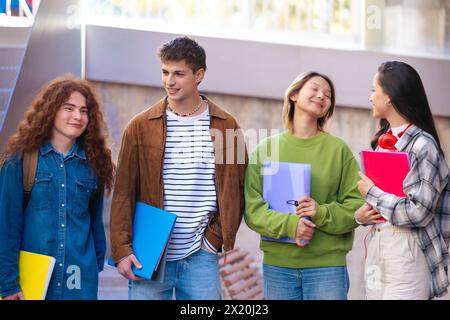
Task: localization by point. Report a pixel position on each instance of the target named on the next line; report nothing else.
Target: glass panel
(327, 23)
(409, 27)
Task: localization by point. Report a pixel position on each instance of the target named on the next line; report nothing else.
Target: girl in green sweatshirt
(316, 270)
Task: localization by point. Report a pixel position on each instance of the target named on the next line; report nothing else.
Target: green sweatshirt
(334, 177)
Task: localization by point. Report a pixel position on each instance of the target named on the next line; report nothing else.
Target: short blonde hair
(296, 86)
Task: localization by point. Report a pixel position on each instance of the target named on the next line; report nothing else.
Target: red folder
(387, 170)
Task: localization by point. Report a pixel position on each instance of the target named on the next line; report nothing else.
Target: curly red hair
(39, 119)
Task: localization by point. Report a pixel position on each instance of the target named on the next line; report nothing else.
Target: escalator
(29, 57)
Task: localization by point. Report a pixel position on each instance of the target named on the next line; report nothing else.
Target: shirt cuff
(372, 197)
(320, 215)
(292, 226)
(208, 246)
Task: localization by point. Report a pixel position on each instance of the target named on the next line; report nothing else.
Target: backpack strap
(29, 166)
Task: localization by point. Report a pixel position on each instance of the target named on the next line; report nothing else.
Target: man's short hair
(184, 48)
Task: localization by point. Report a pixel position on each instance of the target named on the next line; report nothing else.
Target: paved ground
(114, 287)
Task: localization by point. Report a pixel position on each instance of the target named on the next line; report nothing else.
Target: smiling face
(71, 118)
(179, 81)
(381, 106)
(314, 98)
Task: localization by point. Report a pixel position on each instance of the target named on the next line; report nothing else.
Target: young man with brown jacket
(185, 155)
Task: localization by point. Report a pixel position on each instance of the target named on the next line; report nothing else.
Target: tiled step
(8, 75)
(12, 47)
(4, 96)
(13, 36)
(11, 55)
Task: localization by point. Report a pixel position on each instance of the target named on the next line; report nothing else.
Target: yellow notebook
(35, 272)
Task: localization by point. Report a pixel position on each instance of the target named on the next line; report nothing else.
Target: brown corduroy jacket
(139, 176)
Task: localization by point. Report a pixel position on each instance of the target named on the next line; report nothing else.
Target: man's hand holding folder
(125, 265)
(152, 230)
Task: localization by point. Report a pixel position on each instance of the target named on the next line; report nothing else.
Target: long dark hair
(402, 84)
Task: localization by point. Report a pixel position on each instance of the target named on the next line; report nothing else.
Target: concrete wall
(354, 125)
(254, 69)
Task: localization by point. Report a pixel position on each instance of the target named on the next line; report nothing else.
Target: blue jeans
(326, 283)
(195, 277)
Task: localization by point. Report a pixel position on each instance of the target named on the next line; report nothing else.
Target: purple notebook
(284, 182)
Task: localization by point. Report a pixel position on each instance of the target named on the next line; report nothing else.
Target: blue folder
(285, 182)
(152, 230)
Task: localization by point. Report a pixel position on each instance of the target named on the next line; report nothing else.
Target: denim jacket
(63, 219)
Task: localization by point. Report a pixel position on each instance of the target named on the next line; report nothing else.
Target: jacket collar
(159, 108)
(76, 150)
(407, 137)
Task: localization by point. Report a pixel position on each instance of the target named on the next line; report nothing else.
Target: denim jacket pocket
(85, 188)
(40, 195)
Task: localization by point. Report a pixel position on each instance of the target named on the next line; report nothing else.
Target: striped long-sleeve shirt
(189, 182)
(426, 209)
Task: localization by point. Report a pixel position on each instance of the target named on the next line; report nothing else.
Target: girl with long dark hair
(407, 256)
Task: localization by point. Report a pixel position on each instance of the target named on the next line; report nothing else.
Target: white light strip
(83, 37)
